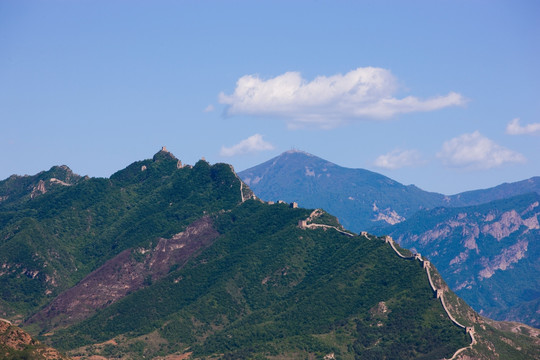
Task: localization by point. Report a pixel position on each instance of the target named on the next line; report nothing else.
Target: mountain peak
(313, 182)
(296, 151)
(164, 154)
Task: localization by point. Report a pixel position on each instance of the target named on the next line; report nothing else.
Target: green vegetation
(52, 241)
(510, 293)
(266, 287)
(28, 353)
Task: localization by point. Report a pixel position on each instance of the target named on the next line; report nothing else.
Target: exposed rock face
(38, 189)
(129, 271)
(17, 188)
(14, 337)
(487, 254)
(14, 340)
(387, 215)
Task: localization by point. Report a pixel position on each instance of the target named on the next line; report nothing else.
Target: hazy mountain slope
(487, 253)
(499, 192)
(358, 197)
(361, 199)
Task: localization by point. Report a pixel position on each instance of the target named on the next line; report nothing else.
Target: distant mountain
(359, 198)
(499, 192)
(489, 254)
(166, 259)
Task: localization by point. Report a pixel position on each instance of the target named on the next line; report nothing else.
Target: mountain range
(164, 259)
(484, 242)
(489, 254)
(362, 200)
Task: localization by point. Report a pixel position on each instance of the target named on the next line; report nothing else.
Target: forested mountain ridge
(16, 189)
(50, 241)
(503, 191)
(164, 258)
(269, 287)
(366, 201)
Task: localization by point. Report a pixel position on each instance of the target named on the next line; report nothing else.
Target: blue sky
(441, 94)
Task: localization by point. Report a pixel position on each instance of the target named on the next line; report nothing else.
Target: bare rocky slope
(129, 271)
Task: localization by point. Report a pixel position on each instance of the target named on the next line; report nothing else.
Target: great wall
(439, 293)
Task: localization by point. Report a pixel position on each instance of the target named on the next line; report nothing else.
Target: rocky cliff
(16, 344)
(488, 254)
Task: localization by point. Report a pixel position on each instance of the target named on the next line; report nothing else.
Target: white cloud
(514, 128)
(364, 93)
(475, 151)
(253, 143)
(398, 158)
(209, 108)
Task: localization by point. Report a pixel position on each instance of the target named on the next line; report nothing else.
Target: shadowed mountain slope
(503, 191)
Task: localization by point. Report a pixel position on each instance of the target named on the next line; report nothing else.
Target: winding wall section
(303, 224)
(439, 293)
(7, 321)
